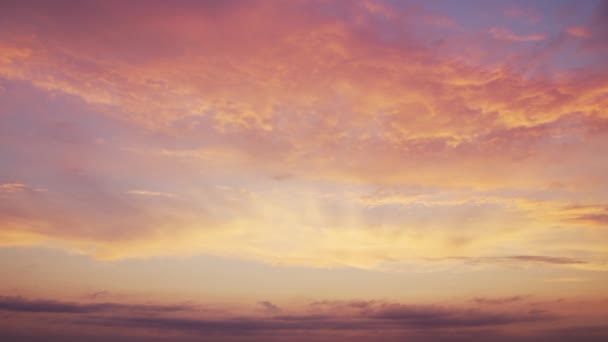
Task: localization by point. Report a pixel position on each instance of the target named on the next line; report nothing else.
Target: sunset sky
(303, 170)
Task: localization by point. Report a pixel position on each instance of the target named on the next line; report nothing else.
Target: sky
(303, 170)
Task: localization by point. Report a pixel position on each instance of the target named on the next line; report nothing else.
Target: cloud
(13, 187)
(594, 215)
(580, 32)
(437, 318)
(269, 307)
(391, 319)
(8, 188)
(349, 316)
(517, 259)
(151, 193)
(596, 219)
(498, 301)
(506, 34)
(483, 137)
(336, 320)
(97, 295)
(20, 304)
(544, 259)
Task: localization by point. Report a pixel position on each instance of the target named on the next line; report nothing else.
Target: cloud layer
(337, 320)
(305, 133)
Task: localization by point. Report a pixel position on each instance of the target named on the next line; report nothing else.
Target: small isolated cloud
(151, 193)
(505, 34)
(269, 307)
(580, 32)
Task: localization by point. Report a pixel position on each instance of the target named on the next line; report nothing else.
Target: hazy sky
(303, 170)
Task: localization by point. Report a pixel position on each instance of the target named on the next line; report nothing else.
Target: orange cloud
(317, 114)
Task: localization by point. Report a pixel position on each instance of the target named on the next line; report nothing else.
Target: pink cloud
(505, 34)
(580, 32)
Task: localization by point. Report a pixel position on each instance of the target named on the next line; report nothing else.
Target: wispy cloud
(506, 34)
(151, 193)
(515, 259)
(595, 215)
(18, 187)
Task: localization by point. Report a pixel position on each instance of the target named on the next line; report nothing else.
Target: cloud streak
(20, 304)
(151, 193)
